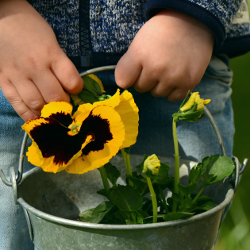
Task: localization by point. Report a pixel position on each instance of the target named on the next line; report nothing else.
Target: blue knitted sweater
(112, 24)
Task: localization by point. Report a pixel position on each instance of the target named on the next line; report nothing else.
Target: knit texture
(114, 23)
(63, 17)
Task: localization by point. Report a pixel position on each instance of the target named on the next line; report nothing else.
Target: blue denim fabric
(13, 227)
(196, 140)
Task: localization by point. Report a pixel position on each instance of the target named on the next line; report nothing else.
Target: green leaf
(163, 176)
(184, 101)
(103, 192)
(126, 198)
(123, 216)
(139, 184)
(112, 173)
(194, 174)
(191, 115)
(135, 218)
(103, 207)
(95, 215)
(205, 206)
(187, 190)
(185, 205)
(127, 150)
(196, 119)
(143, 213)
(177, 197)
(216, 168)
(139, 168)
(202, 199)
(177, 216)
(91, 85)
(88, 97)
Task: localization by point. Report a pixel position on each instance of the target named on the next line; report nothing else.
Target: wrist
(187, 20)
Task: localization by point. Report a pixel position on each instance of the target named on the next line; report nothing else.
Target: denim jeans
(196, 140)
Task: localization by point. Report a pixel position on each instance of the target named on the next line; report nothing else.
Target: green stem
(154, 201)
(126, 159)
(199, 193)
(177, 157)
(104, 178)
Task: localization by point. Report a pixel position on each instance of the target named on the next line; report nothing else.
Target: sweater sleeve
(215, 14)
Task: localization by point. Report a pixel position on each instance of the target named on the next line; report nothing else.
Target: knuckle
(27, 114)
(172, 98)
(59, 98)
(157, 69)
(157, 93)
(177, 95)
(13, 100)
(139, 89)
(36, 105)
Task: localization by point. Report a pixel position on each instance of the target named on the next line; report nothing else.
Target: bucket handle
(235, 176)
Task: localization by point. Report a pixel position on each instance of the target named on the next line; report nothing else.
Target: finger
(16, 101)
(177, 94)
(49, 87)
(145, 81)
(127, 71)
(162, 89)
(29, 94)
(67, 74)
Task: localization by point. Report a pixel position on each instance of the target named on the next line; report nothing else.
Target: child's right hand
(33, 68)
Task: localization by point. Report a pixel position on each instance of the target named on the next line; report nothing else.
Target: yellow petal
(130, 118)
(56, 107)
(206, 101)
(200, 104)
(189, 104)
(34, 155)
(96, 159)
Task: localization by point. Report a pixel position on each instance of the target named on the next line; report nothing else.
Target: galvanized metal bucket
(52, 202)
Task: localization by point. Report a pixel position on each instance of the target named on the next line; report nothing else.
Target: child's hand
(168, 56)
(33, 68)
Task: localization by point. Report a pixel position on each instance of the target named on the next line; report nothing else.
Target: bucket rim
(67, 222)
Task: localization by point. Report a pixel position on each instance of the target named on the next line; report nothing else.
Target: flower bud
(195, 98)
(191, 110)
(152, 163)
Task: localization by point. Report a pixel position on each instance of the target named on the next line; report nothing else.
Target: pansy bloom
(85, 141)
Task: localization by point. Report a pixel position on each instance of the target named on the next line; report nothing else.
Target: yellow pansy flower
(85, 141)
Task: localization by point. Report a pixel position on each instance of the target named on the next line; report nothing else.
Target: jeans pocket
(218, 69)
